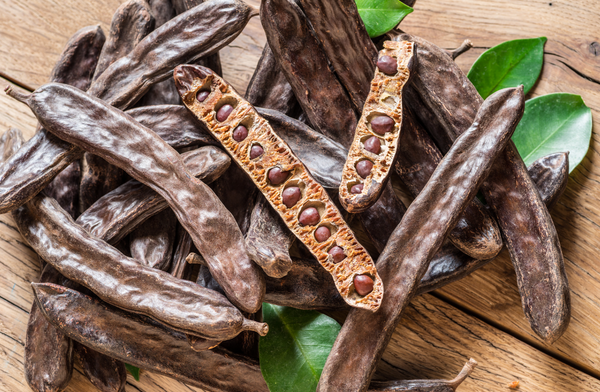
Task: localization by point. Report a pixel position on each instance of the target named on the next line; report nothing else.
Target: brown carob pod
(477, 233)
(346, 44)
(425, 385)
(10, 142)
(182, 250)
(527, 228)
(162, 10)
(269, 88)
(273, 167)
(266, 237)
(122, 281)
(550, 175)
(131, 22)
(373, 151)
(125, 143)
(146, 344)
(202, 30)
(117, 213)
(152, 243)
(107, 374)
(97, 179)
(306, 67)
(428, 220)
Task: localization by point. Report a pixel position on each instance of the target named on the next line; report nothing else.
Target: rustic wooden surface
(479, 317)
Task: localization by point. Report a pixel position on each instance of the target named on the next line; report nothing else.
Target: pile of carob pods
(157, 251)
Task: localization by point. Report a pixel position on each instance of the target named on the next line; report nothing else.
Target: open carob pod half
(372, 153)
(286, 183)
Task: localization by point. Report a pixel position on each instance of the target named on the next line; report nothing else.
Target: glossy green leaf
(509, 64)
(134, 371)
(293, 353)
(554, 123)
(380, 16)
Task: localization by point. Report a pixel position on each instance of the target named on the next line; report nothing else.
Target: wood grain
(435, 338)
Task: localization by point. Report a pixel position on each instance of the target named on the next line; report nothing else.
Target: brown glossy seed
(373, 145)
(388, 65)
(364, 167)
(291, 196)
(240, 133)
(322, 233)
(356, 189)
(256, 151)
(363, 284)
(337, 254)
(277, 176)
(202, 95)
(224, 112)
(309, 216)
(382, 124)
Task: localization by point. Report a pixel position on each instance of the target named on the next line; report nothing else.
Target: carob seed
(202, 95)
(240, 133)
(373, 145)
(388, 65)
(256, 151)
(309, 216)
(224, 112)
(277, 176)
(382, 124)
(356, 189)
(363, 284)
(337, 254)
(291, 196)
(322, 233)
(364, 167)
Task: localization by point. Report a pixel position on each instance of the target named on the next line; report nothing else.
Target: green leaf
(380, 16)
(554, 123)
(509, 64)
(134, 371)
(293, 353)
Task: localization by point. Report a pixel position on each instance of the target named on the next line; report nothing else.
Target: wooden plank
(571, 65)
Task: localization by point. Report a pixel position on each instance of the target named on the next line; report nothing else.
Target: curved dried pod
(144, 343)
(117, 213)
(446, 104)
(152, 242)
(302, 203)
(425, 385)
(550, 175)
(107, 374)
(162, 10)
(91, 262)
(375, 144)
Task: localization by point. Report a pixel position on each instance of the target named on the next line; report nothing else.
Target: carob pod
(162, 10)
(152, 242)
(107, 374)
(425, 385)
(125, 143)
(346, 43)
(200, 31)
(527, 228)
(117, 213)
(146, 344)
(550, 175)
(428, 220)
(268, 88)
(306, 67)
(373, 151)
(286, 183)
(184, 245)
(122, 281)
(477, 233)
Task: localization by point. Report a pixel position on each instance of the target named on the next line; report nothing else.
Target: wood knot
(595, 48)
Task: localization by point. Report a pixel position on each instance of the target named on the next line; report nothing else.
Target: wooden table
(478, 317)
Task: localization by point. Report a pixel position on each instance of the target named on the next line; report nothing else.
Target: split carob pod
(152, 242)
(338, 25)
(306, 68)
(528, 230)
(125, 143)
(477, 233)
(428, 220)
(373, 151)
(425, 385)
(124, 282)
(145, 344)
(284, 180)
(200, 31)
(117, 213)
